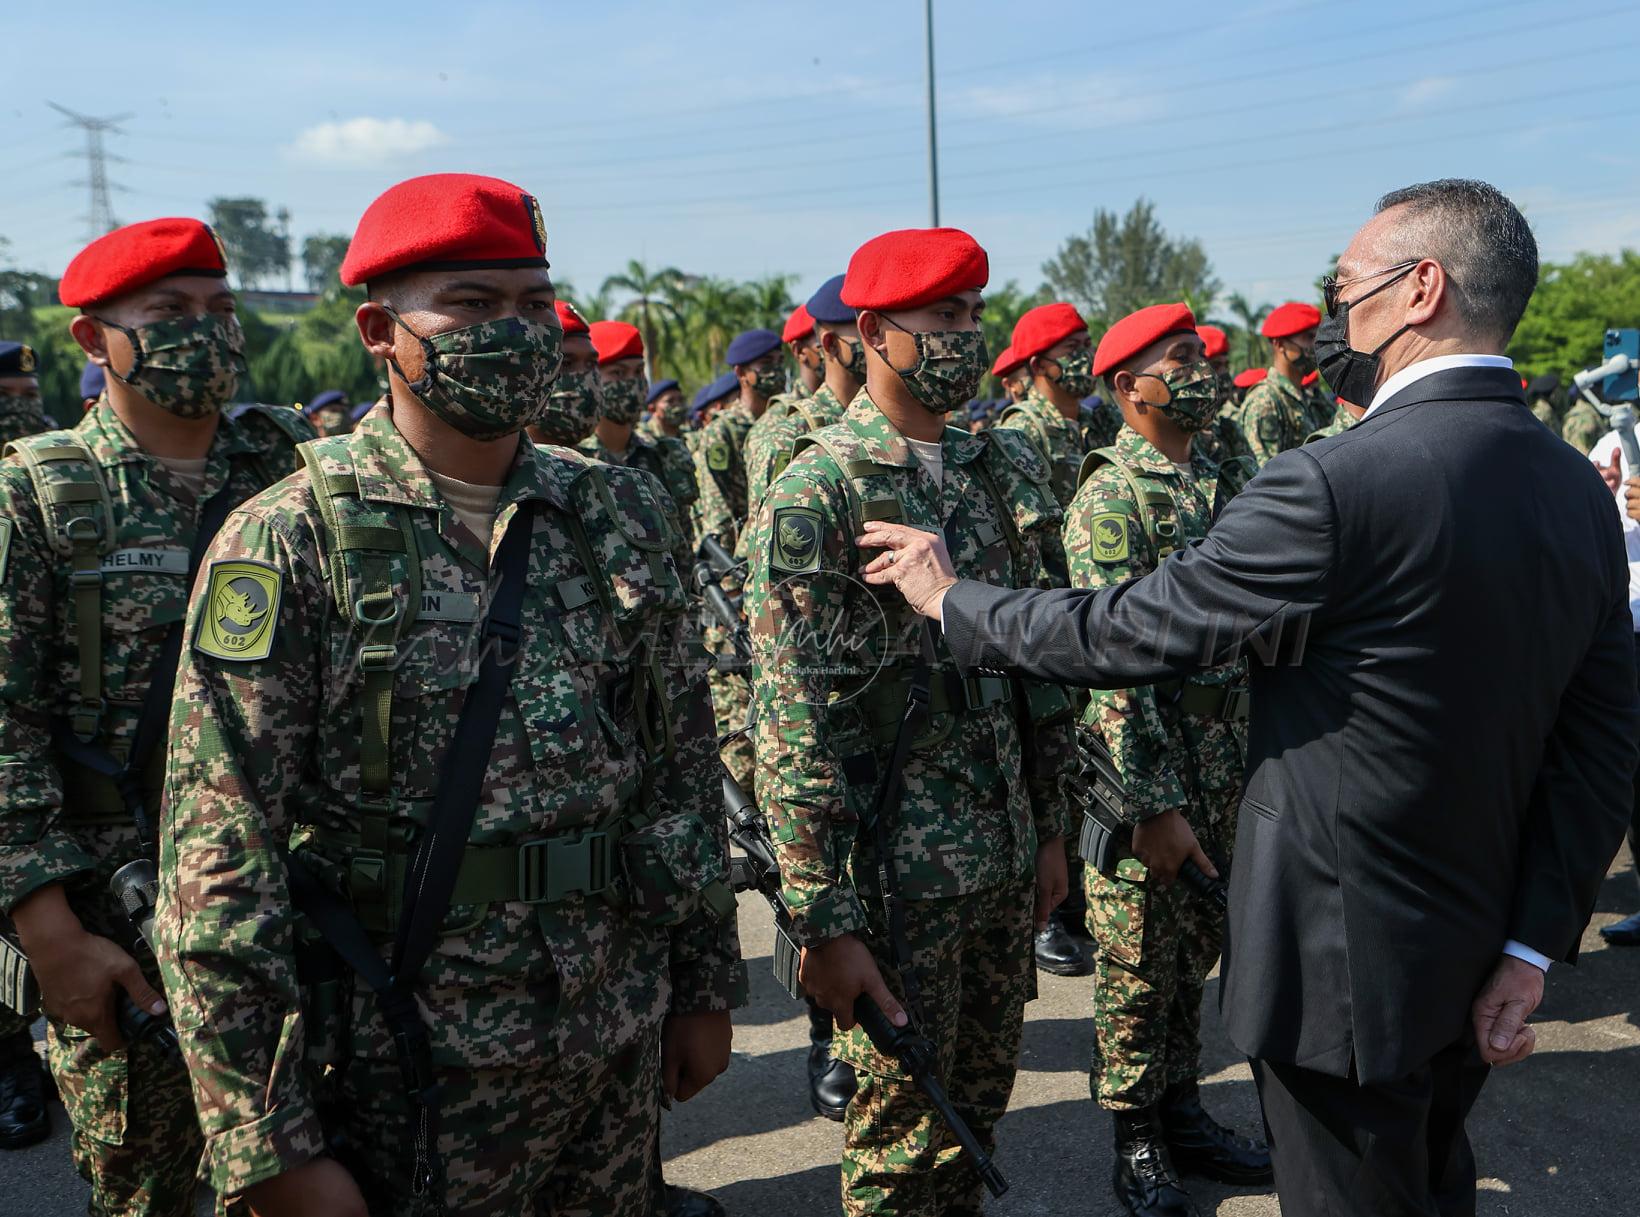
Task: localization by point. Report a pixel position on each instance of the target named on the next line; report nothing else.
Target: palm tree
(714, 310)
(651, 291)
(1247, 320)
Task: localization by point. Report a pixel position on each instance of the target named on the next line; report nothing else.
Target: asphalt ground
(1557, 1136)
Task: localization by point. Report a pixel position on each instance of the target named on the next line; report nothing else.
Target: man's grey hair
(1482, 242)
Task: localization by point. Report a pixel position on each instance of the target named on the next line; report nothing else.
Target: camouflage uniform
(1177, 746)
(1341, 421)
(1276, 415)
(1583, 426)
(981, 785)
(666, 459)
(18, 419)
(1099, 425)
(720, 472)
(136, 1139)
(542, 1002)
(1549, 414)
(768, 450)
(1061, 444)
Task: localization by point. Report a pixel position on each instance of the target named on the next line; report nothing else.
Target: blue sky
(740, 138)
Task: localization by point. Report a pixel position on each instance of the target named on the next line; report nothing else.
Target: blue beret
(826, 305)
(359, 411)
(330, 397)
(721, 387)
(17, 360)
(92, 381)
(753, 344)
(659, 387)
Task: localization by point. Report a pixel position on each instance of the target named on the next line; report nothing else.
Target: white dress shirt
(1414, 372)
(1601, 454)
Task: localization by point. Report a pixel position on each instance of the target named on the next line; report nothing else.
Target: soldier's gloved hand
(838, 971)
(694, 1050)
(79, 972)
(318, 1188)
(1052, 879)
(1163, 842)
(1631, 497)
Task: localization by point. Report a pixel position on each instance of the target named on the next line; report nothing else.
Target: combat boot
(1201, 1146)
(1144, 1179)
(1057, 952)
(831, 1082)
(685, 1202)
(23, 1117)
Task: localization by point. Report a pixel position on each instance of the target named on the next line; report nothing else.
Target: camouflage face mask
(950, 365)
(675, 413)
(1076, 372)
(623, 399)
(572, 409)
(771, 380)
(190, 366)
(488, 380)
(855, 364)
(1193, 395)
(28, 402)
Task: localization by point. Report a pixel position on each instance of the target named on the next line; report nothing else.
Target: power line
(100, 219)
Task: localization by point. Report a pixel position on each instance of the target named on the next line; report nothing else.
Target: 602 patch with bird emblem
(1110, 537)
(796, 544)
(240, 612)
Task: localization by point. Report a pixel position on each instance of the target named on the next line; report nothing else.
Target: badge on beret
(1110, 537)
(25, 359)
(796, 542)
(241, 609)
(221, 249)
(6, 529)
(717, 456)
(534, 209)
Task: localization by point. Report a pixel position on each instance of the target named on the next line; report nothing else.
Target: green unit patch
(717, 456)
(240, 612)
(6, 529)
(1110, 537)
(796, 544)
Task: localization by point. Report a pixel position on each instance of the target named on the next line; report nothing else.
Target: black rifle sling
(430, 881)
(155, 716)
(887, 799)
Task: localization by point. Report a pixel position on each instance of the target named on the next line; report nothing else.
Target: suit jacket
(1444, 724)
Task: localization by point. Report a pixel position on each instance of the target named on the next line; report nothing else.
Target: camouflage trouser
(539, 1141)
(975, 972)
(731, 702)
(1155, 951)
(136, 1137)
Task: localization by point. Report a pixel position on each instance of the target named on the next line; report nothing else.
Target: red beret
(798, 326)
(140, 254)
(1309, 380)
(1214, 341)
(570, 318)
(1044, 326)
(914, 266)
(446, 221)
(1291, 318)
(1006, 362)
(1249, 378)
(1136, 331)
(616, 340)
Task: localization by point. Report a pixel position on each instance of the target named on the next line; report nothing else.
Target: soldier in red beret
(444, 748)
(1012, 375)
(1221, 441)
(958, 828)
(577, 397)
(1277, 413)
(799, 334)
(101, 528)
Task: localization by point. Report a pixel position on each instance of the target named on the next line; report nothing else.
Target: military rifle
(713, 565)
(759, 872)
(1107, 826)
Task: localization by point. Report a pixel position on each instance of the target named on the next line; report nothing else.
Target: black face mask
(1352, 374)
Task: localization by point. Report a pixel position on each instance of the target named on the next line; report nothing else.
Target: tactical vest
(951, 691)
(78, 512)
(374, 576)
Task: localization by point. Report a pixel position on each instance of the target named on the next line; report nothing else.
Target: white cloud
(366, 141)
(1425, 90)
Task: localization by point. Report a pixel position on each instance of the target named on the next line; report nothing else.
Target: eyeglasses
(1330, 285)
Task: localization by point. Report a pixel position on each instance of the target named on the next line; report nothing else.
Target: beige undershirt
(929, 455)
(474, 505)
(190, 472)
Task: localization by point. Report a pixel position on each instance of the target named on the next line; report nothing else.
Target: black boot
(23, 1118)
(831, 1082)
(1058, 952)
(1202, 1146)
(1145, 1180)
(1624, 933)
(682, 1202)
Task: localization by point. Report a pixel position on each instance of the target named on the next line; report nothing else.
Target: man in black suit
(1444, 715)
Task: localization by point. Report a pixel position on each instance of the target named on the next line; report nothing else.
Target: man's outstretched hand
(912, 560)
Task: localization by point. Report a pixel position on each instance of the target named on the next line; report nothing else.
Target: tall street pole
(933, 139)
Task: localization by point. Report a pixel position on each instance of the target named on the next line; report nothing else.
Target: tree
(1123, 263)
(1004, 306)
(1248, 319)
(257, 249)
(1574, 304)
(651, 292)
(322, 255)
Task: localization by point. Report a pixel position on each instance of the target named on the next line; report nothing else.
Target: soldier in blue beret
(330, 413)
(92, 384)
(667, 411)
(22, 412)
